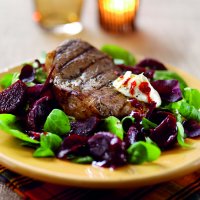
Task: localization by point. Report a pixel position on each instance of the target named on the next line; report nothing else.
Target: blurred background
(166, 30)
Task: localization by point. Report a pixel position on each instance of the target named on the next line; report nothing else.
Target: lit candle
(117, 15)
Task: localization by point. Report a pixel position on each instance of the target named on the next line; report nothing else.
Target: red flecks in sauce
(126, 81)
(121, 76)
(133, 84)
(144, 88)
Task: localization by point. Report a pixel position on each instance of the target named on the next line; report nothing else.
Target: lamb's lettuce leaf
(120, 55)
(8, 123)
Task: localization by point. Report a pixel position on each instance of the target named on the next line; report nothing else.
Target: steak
(82, 81)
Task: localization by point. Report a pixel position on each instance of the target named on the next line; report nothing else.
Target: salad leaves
(8, 79)
(120, 55)
(140, 152)
(192, 96)
(169, 75)
(113, 125)
(185, 109)
(181, 136)
(127, 138)
(8, 123)
(57, 122)
(49, 143)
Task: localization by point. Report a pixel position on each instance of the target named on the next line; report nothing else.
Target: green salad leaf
(49, 143)
(40, 75)
(127, 121)
(82, 160)
(185, 109)
(57, 122)
(8, 79)
(8, 123)
(113, 125)
(140, 152)
(120, 55)
(192, 96)
(147, 124)
(181, 136)
(168, 75)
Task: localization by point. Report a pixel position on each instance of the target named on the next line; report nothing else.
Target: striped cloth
(187, 187)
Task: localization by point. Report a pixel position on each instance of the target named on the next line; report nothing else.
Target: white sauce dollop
(137, 86)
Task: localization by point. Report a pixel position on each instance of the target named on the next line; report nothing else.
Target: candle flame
(119, 6)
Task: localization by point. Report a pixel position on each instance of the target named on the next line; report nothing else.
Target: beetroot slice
(107, 150)
(12, 99)
(169, 90)
(38, 113)
(27, 73)
(131, 136)
(73, 144)
(86, 127)
(138, 70)
(192, 128)
(151, 64)
(164, 135)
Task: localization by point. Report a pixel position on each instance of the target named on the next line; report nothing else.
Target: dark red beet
(35, 91)
(73, 144)
(150, 63)
(27, 73)
(192, 128)
(86, 127)
(138, 70)
(38, 113)
(164, 135)
(131, 136)
(107, 150)
(141, 109)
(169, 90)
(12, 99)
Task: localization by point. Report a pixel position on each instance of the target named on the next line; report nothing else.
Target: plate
(172, 164)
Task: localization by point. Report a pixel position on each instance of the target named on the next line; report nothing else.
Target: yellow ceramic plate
(170, 165)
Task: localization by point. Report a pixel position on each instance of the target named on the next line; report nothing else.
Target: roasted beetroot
(131, 136)
(107, 150)
(12, 99)
(164, 135)
(150, 63)
(141, 109)
(192, 128)
(73, 144)
(38, 113)
(37, 91)
(169, 90)
(138, 70)
(27, 73)
(34, 92)
(86, 127)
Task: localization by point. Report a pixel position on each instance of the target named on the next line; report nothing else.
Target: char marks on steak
(82, 80)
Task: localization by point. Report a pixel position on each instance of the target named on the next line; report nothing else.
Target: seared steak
(82, 80)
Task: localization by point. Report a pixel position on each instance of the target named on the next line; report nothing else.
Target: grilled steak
(82, 80)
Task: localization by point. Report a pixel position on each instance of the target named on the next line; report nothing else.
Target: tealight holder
(118, 15)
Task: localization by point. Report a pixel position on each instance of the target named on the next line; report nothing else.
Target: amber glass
(55, 14)
(118, 15)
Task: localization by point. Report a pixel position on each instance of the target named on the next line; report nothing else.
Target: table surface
(166, 30)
